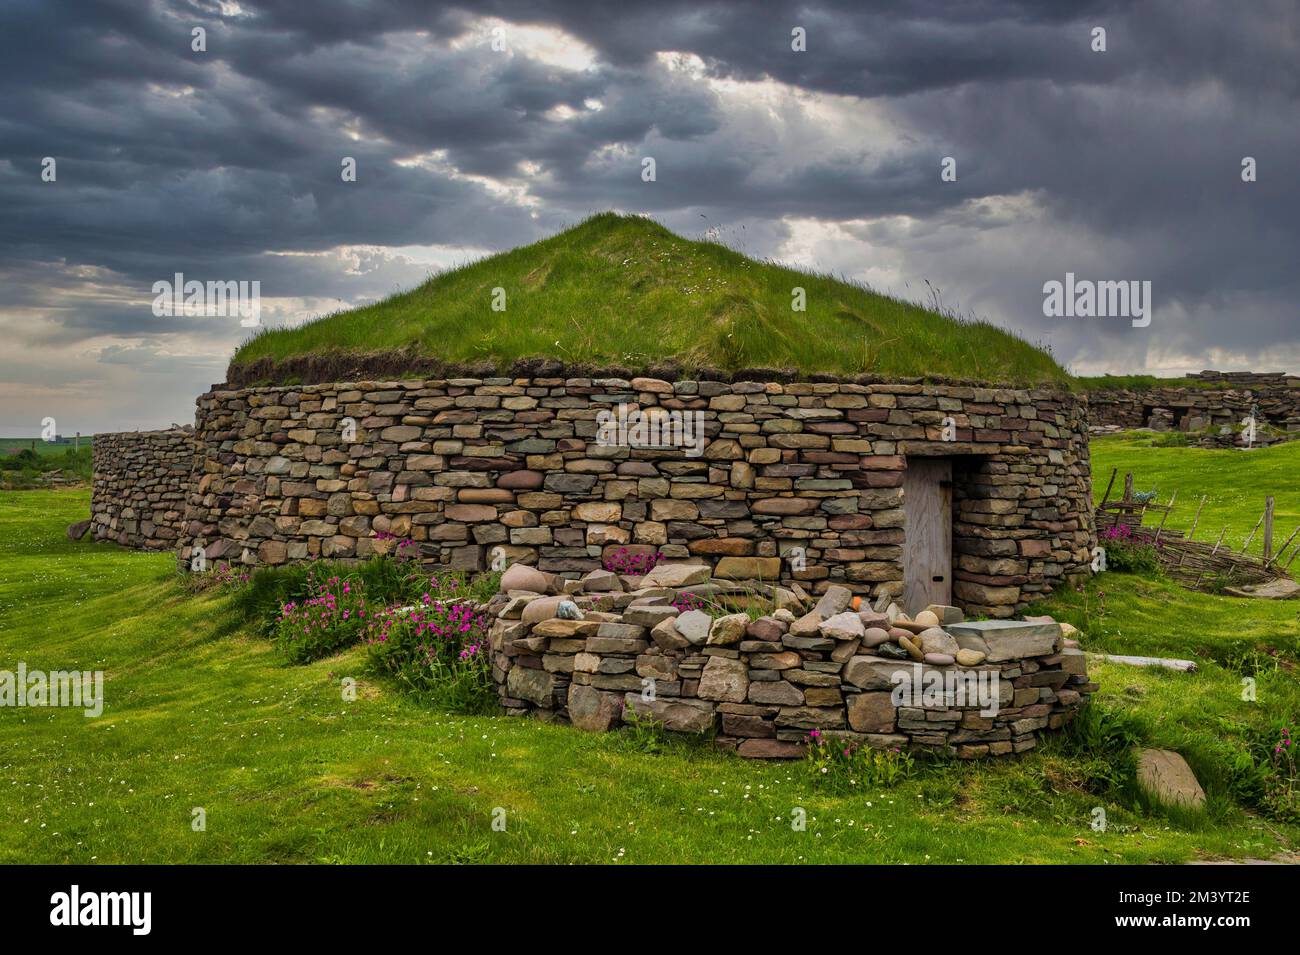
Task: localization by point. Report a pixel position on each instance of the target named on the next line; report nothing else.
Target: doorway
(927, 541)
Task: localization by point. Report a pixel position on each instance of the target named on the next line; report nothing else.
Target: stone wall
(141, 485)
(610, 645)
(1274, 397)
(477, 469)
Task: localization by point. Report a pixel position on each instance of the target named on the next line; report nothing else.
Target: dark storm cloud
(225, 164)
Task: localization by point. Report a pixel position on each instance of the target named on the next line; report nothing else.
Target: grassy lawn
(197, 716)
(1234, 484)
(696, 303)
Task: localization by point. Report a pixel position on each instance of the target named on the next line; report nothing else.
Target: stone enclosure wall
(472, 469)
(141, 486)
(1274, 397)
(611, 648)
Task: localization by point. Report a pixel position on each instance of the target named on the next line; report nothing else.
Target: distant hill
(624, 292)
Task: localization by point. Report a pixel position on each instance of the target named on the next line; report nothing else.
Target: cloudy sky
(479, 127)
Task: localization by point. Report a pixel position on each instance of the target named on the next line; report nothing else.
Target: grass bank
(200, 715)
(623, 291)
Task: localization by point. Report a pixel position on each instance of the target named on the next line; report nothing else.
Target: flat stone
(566, 629)
(809, 625)
(871, 713)
(775, 693)
(873, 673)
(940, 659)
(766, 628)
(784, 660)
(592, 710)
(1006, 640)
(536, 686)
(601, 581)
(770, 749)
(748, 568)
(843, 626)
(676, 715)
(666, 637)
(835, 600)
(676, 575)
(649, 616)
(1283, 588)
(725, 680)
(694, 626)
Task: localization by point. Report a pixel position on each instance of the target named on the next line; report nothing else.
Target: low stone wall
(1274, 397)
(477, 470)
(762, 685)
(141, 485)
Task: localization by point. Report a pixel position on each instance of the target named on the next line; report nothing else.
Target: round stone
(928, 618)
(874, 637)
(912, 649)
(937, 640)
(969, 658)
(939, 659)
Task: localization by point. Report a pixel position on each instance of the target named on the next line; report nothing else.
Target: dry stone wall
(1275, 398)
(476, 469)
(141, 486)
(611, 648)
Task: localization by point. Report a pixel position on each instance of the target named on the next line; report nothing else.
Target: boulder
(728, 630)
(78, 530)
(1165, 776)
(523, 577)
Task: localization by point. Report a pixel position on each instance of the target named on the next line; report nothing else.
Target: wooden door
(927, 545)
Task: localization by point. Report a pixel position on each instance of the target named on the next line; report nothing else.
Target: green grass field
(198, 714)
(624, 291)
(1233, 482)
